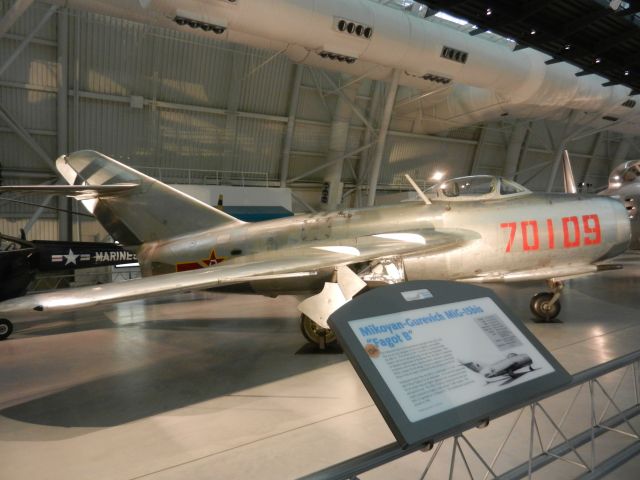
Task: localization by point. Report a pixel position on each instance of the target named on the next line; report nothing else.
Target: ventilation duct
(488, 78)
(453, 54)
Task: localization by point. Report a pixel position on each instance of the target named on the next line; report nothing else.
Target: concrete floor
(221, 386)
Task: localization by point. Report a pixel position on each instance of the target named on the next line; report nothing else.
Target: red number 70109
(575, 232)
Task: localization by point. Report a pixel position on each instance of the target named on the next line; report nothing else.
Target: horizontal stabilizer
(84, 191)
(131, 206)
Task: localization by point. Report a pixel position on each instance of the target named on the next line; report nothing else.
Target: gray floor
(222, 386)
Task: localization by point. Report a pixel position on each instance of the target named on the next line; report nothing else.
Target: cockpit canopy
(476, 187)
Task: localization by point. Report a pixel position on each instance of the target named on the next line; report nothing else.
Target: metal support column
(514, 148)
(291, 123)
(76, 84)
(365, 156)
(621, 153)
(557, 157)
(594, 149)
(382, 137)
(475, 162)
(338, 144)
(65, 222)
(231, 129)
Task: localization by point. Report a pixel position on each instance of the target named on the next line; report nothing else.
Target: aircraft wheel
(315, 334)
(6, 327)
(542, 307)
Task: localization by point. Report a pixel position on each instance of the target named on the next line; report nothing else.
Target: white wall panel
(44, 229)
(311, 106)
(36, 65)
(28, 21)
(32, 109)
(14, 153)
(421, 157)
(258, 146)
(265, 87)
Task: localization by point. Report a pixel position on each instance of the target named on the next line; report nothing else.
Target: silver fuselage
(507, 235)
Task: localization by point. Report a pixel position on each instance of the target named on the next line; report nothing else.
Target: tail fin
(569, 180)
(150, 211)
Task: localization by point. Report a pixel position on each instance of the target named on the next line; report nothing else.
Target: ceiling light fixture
(489, 11)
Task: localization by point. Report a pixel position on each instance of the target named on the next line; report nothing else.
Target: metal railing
(193, 176)
(579, 449)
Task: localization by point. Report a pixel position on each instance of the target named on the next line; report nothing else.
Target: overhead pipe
(490, 79)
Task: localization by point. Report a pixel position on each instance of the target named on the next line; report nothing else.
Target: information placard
(441, 354)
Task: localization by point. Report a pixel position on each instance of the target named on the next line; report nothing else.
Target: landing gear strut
(6, 327)
(546, 305)
(322, 337)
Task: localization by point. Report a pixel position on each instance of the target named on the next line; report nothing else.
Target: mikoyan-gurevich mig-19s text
(477, 229)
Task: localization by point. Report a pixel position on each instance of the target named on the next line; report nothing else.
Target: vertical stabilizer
(569, 180)
(151, 211)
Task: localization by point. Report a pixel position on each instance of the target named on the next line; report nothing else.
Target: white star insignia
(71, 257)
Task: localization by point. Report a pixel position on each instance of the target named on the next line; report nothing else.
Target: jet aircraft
(624, 184)
(476, 229)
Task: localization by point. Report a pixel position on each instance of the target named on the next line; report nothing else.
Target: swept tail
(148, 210)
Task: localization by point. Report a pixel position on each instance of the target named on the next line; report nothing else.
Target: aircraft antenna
(417, 189)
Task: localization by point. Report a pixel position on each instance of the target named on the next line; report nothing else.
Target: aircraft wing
(86, 191)
(296, 261)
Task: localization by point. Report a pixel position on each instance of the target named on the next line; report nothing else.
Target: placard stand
(440, 356)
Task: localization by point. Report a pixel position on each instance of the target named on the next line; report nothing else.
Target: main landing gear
(6, 327)
(314, 333)
(546, 305)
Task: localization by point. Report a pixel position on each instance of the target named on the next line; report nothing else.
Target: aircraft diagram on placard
(476, 229)
(503, 371)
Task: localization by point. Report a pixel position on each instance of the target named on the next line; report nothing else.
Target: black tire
(314, 333)
(6, 327)
(541, 309)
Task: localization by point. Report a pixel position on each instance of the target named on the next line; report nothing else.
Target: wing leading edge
(301, 261)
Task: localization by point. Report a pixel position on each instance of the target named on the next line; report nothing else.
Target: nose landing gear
(314, 333)
(546, 305)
